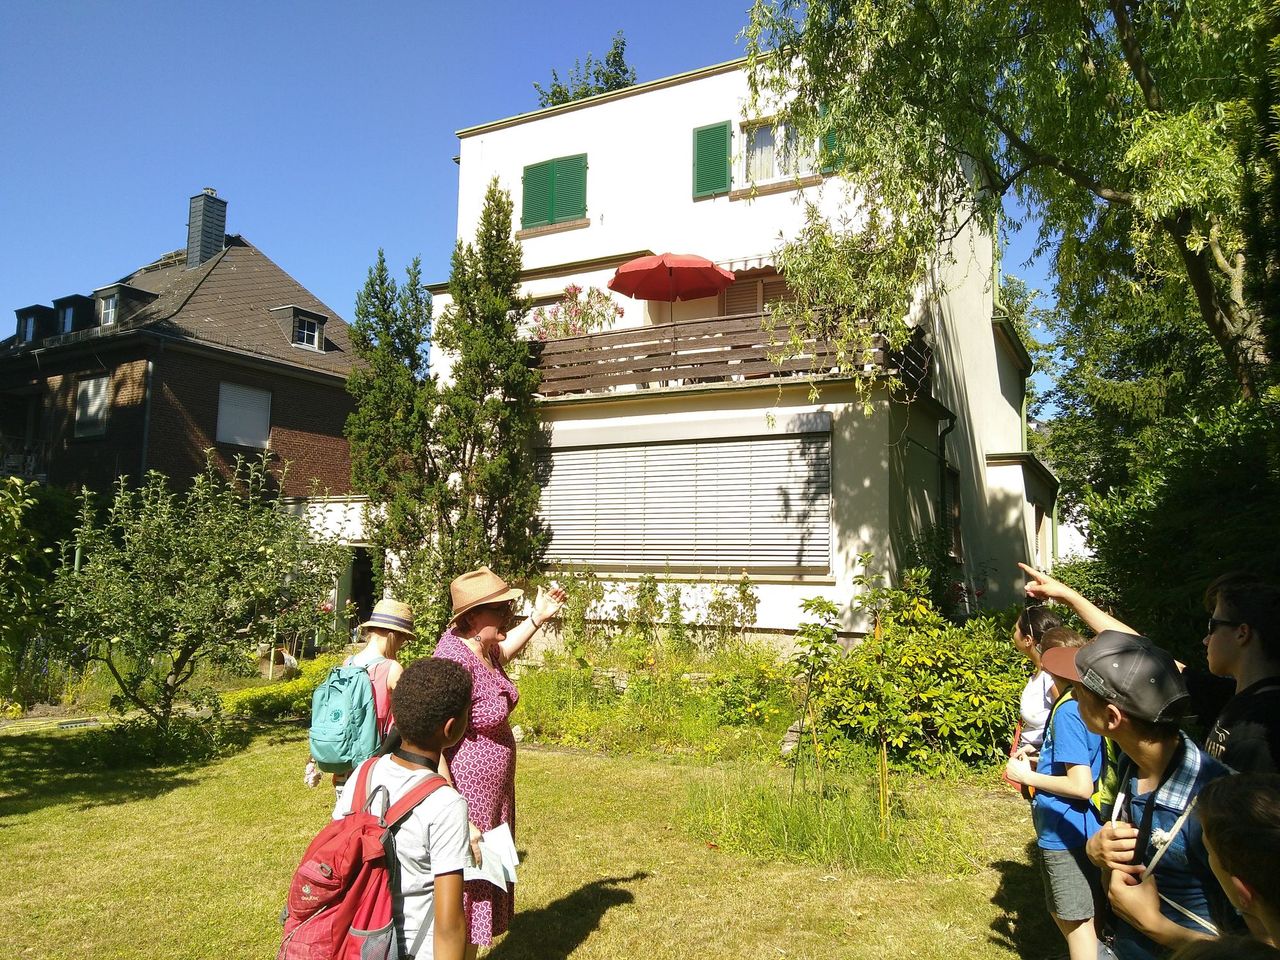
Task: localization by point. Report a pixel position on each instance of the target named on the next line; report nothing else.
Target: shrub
(287, 698)
(931, 691)
(139, 740)
(576, 314)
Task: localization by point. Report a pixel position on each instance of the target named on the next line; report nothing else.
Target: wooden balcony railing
(690, 352)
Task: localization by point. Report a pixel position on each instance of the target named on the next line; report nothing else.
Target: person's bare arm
(393, 675)
(1112, 849)
(1139, 905)
(1076, 785)
(1044, 587)
(450, 936)
(546, 606)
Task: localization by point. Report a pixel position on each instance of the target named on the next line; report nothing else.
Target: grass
(194, 862)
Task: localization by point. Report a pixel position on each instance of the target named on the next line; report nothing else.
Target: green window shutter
(535, 207)
(829, 154)
(711, 160)
(569, 191)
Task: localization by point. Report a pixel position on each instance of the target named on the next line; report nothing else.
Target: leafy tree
(168, 582)
(1120, 125)
(23, 604)
(589, 78)
(479, 499)
(395, 395)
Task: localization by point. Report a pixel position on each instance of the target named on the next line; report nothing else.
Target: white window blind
(761, 503)
(91, 406)
(244, 415)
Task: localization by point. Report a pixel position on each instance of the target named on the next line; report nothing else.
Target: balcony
(705, 351)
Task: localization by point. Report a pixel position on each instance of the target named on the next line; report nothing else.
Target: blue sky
(328, 127)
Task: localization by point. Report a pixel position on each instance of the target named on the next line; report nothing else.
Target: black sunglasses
(1215, 623)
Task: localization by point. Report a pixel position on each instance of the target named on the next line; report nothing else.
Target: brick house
(211, 347)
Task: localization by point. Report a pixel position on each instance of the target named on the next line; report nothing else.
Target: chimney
(206, 227)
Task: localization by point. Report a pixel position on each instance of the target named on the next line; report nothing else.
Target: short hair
(1035, 620)
(428, 693)
(1250, 599)
(1240, 818)
(1227, 948)
(1062, 637)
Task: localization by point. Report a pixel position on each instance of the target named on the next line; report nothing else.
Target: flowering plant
(576, 314)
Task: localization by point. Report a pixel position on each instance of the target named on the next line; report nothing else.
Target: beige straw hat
(477, 588)
(391, 615)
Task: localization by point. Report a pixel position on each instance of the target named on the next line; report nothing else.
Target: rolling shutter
(760, 503)
(569, 192)
(244, 415)
(535, 205)
(742, 297)
(711, 160)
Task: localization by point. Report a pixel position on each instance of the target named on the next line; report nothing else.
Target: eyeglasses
(1215, 623)
(506, 609)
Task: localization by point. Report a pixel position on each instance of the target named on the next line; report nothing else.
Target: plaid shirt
(1182, 784)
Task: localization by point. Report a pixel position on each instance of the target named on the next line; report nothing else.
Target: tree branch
(1042, 158)
(1133, 56)
(130, 695)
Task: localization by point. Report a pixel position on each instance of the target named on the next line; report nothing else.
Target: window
(753, 295)
(306, 332)
(244, 415)
(107, 310)
(554, 192)
(26, 329)
(756, 503)
(774, 152)
(711, 168)
(91, 406)
(68, 319)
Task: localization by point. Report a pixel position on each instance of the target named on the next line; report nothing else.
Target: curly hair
(428, 693)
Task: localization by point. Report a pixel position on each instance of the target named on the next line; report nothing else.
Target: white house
(676, 446)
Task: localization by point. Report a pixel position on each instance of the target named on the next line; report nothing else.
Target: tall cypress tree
(389, 430)
(485, 492)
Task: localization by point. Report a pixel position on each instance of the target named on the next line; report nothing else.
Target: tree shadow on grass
(39, 770)
(553, 932)
(1024, 926)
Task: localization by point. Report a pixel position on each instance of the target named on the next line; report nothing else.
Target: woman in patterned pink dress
(483, 764)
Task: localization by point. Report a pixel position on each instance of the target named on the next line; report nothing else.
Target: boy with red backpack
(385, 877)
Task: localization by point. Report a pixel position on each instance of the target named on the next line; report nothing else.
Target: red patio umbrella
(670, 277)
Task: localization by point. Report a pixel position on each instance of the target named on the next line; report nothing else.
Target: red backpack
(339, 905)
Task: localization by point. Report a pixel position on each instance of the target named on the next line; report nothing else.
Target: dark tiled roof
(226, 302)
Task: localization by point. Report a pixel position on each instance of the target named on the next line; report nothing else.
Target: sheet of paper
(498, 858)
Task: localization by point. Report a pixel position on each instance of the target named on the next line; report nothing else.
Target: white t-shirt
(1033, 709)
(433, 839)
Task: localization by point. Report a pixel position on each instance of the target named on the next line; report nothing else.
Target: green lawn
(194, 862)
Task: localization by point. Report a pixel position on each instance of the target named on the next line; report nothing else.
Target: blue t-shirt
(1062, 823)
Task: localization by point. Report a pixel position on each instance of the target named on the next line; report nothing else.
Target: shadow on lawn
(41, 770)
(1024, 925)
(553, 932)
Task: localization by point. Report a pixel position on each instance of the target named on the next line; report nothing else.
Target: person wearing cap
(1160, 883)
(482, 765)
(1242, 643)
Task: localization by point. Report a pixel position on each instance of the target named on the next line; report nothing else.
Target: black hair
(428, 693)
(1240, 817)
(1249, 599)
(1036, 619)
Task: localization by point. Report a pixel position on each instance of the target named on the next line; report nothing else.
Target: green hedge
(289, 698)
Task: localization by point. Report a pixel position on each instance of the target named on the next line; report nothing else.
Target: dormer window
(304, 328)
(66, 319)
(306, 332)
(26, 329)
(107, 309)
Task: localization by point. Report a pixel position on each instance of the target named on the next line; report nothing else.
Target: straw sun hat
(391, 615)
(478, 588)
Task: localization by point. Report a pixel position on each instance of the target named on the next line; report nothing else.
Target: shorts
(1072, 885)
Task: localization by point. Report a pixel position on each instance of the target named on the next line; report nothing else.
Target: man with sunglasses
(1242, 642)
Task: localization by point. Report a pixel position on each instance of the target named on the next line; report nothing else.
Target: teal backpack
(344, 720)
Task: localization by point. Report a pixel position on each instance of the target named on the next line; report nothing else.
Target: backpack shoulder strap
(404, 806)
(362, 785)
